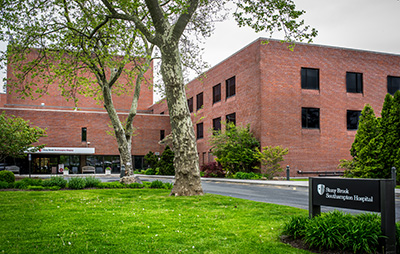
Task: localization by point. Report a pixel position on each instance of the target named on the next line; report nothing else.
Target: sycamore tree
(173, 27)
(17, 137)
(73, 45)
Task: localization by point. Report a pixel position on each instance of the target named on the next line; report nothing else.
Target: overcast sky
(360, 24)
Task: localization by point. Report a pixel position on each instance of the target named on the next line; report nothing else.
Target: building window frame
(231, 118)
(353, 118)
(190, 104)
(230, 87)
(217, 93)
(199, 101)
(217, 124)
(393, 84)
(162, 134)
(310, 118)
(354, 82)
(84, 134)
(310, 78)
(200, 130)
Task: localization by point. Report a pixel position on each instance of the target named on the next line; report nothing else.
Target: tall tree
(73, 45)
(170, 24)
(17, 137)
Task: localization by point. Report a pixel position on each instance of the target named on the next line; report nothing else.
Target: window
(393, 84)
(162, 134)
(199, 127)
(231, 118)
(230, 87)
(310, 118)
(190, 104)
(354, 82)
(217, 93)
(352, 119)
(162, 113)
(84, 134)
(309, 78)
(217, 124)
(199, 101)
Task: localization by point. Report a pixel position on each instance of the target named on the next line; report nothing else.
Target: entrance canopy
(66, 150)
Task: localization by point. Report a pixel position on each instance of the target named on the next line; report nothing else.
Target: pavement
(282, 183)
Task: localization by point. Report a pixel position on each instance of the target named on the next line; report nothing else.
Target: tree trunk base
(186, 185)
(130, 179)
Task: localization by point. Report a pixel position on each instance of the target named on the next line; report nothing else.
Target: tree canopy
(17, 137)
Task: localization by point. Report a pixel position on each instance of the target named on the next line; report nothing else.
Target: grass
(138, 221)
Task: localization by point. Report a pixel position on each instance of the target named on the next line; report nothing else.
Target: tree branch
(183, 20)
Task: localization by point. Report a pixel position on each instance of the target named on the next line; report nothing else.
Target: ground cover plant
(138, 221)
(339, 231)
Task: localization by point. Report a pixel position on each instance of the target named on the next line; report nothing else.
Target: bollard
(394, 175)
(122, 171)
(287, 173)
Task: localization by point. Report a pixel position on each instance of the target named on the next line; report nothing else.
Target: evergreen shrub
(76, 183)
(91, 182)
(7, 176)
(3, 185)
(166, 162)
(55, 181)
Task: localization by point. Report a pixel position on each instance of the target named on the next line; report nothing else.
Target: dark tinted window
(84, 134)
(217, 124)
(354, 82)
(231, 118)
(162, 134)
(190, 104)
(230, 87)
(393, 84)
(352, 119)
(310, 118)
(199, 130)
(309, 78)
(217, 93)
(199, 101)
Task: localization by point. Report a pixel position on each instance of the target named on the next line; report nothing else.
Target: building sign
(361, 194)
(67, 150)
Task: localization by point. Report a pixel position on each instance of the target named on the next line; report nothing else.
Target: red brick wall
(269, 98)
(64, 130)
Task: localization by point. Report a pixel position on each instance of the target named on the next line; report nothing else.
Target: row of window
(354, 81)
(230, 85)
(231, 118)
(310, 118)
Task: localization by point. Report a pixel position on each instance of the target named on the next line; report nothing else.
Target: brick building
(307, 100)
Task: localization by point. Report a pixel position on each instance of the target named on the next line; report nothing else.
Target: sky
(358, 24)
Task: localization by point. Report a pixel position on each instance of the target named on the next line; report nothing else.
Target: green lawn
(138, 221)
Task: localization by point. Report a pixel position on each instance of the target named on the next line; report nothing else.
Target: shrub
(166, 162)
(146, 184)
(212, 169)
(7, 176)
(91, 182)
(157, 184)
(20, 185)
(32, 182)
(135, 185)
(150, 171)
(111, 185)
(3, 185)
(55, 181)
(30, 187)
(76, 183)
(151, 159)
(168, 186)
(296, 226)
(270, 157)
(244, 175)
(336, 230)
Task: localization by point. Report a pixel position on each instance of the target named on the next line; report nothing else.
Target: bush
(244, 175)
(270, 157)
(135, 185)
(7, 176)
(168, 186)
(76, 183)
(150, 171)
(338, 231)
(20, 185)
(146, 184)
(91, 182)
(157, 184)
(3, 185)
(212, 169)
(58, 181)
(151, 159)
(296, 226)
(32, 182)
(35, 187)
(166, 162)
(111, 185)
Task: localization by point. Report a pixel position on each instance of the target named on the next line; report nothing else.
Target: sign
(67, 150)
(60, 168)
(361, 194)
